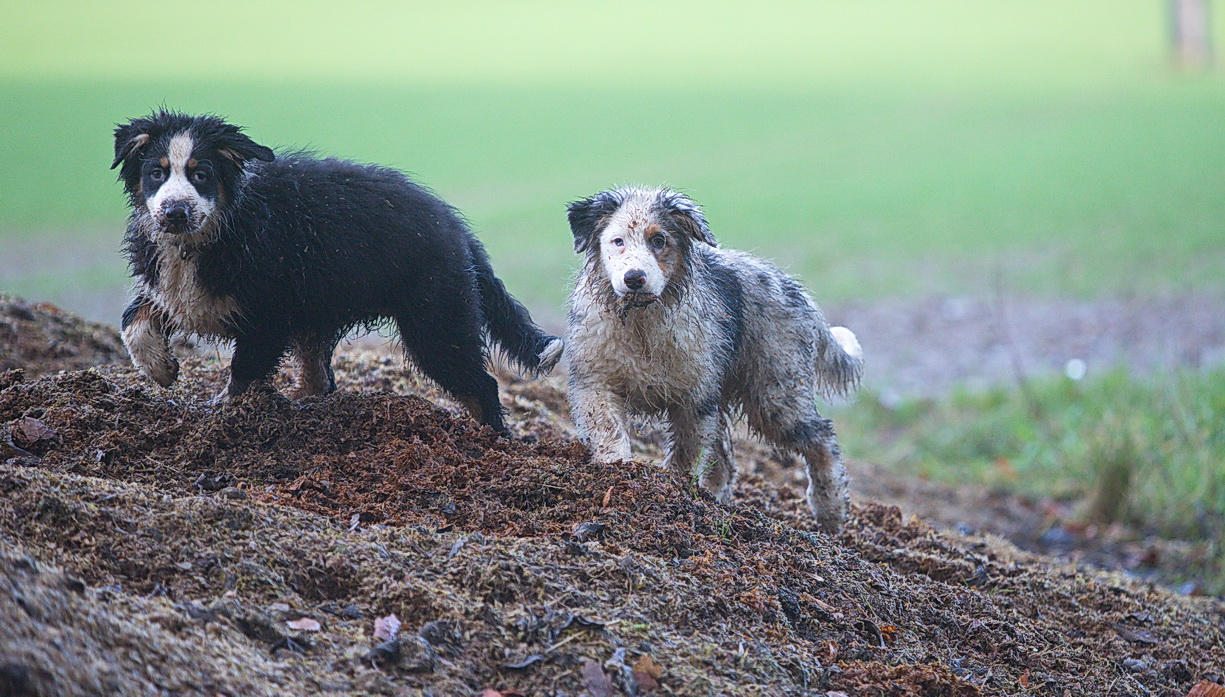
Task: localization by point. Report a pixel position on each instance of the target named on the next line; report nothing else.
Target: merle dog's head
(640, 237)
(179, 169)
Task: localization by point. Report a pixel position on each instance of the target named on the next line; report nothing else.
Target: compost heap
(378, 542)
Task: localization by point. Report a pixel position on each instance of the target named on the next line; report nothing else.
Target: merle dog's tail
(839, 361)
(509, 322)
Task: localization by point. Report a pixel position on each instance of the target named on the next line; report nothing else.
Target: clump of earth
(378, 542)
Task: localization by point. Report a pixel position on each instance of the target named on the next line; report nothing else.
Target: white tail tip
(551, 355)
(846, 339)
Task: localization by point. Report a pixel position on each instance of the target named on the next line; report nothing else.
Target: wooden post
(1190, 33)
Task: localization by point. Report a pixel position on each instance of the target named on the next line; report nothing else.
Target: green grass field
(875, 148)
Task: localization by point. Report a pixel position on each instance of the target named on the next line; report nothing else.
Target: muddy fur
(287, 253)
(663, 322)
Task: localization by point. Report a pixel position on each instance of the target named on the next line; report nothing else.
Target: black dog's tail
(509, 322)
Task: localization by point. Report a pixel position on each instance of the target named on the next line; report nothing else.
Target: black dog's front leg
(256, 357)
(146, 335)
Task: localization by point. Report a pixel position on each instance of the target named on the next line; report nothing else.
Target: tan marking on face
(191, 164)
(668, 259)
(164, 162)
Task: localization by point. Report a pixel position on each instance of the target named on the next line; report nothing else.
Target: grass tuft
(1149, 452)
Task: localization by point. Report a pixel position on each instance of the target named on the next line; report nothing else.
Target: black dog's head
(180, 168)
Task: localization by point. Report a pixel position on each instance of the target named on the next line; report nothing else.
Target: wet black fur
(310, 248)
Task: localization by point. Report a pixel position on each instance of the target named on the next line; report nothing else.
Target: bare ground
(150, 544)
(924, 347)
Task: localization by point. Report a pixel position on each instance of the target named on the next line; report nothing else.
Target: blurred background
(1017, 204)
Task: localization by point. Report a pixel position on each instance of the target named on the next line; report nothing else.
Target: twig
(1014, 352)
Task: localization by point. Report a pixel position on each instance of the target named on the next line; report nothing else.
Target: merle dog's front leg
(256, 357)
(146, 335)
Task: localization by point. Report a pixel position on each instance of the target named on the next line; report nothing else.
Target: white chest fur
(180, 295)
(659, 354)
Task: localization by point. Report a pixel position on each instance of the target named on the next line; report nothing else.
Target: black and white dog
(288, 253)
(663, 322)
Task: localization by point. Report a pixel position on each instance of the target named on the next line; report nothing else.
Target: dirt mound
(41, 338)
(248, 550)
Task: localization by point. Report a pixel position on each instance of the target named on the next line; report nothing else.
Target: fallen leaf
(1138, 636)
(305, 624)
(386, 628)
(1003, 467)
(1024, 679)
(647, 672)
(607, 497)
(594, 679)
(589, 531)
(29, 431)
(889, 632)
(831, 693)
(1203, 688)
(831, 649)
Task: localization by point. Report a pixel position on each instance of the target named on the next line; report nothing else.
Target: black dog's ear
(586, 216)
(235, 144)
(129, 139)
(688, 216)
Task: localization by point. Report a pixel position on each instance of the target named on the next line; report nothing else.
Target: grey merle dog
(286, 253)
(664, 322)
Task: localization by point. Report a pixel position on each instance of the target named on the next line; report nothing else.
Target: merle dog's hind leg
(812, 437)
(315, 376)
(452, 354)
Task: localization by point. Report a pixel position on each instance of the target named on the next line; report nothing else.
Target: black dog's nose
(635, 279)
(177, 212)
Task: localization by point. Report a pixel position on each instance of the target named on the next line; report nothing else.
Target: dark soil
(151, 544)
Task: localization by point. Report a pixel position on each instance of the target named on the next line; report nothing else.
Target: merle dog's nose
(177, 212)
(635, 279)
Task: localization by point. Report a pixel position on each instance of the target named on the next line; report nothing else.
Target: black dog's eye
(659, 242)
(619, 242)
(157, 174)
(199, 176)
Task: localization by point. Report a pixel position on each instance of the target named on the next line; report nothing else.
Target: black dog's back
(336, 242)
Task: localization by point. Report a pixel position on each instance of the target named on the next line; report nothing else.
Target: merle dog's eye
(157, 174)
(199, 176)
(659, 242)
(619, 242)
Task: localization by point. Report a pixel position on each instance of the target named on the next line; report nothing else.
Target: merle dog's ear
(688, 216)
(235, 144)
(130, 138)
(587, 214)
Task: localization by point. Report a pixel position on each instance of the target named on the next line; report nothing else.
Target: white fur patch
(846, 339)
(177, 187)
(551, 355)
(189, 306)
(150, 353)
